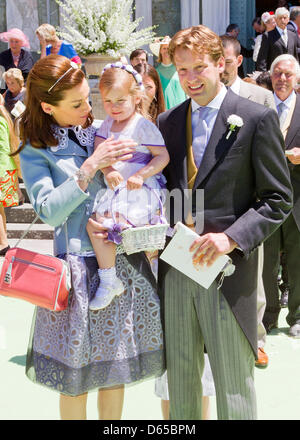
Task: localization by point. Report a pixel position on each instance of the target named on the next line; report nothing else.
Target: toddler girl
(138, 181)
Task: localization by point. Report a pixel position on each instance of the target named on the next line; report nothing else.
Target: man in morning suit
(260, 95)
(284, 72)
(233, 59)
(277, 42)
(247, 195)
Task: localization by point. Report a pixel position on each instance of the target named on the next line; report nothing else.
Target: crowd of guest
(274, 109)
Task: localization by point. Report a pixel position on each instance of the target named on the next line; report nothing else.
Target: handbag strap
(30, 226)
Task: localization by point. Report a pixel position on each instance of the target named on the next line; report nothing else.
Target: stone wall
(167, 15)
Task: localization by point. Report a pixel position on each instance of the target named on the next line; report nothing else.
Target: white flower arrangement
(234, 122)
(103, 26)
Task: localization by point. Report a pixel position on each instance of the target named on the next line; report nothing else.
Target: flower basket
(142, 238)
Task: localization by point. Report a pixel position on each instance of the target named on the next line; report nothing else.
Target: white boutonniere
(234, 122)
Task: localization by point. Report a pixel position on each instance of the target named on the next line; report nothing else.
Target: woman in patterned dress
(78, 350)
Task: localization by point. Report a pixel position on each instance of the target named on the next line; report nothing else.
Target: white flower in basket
(234, 122)
(103, 27)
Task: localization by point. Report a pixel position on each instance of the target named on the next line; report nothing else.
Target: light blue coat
(54, 193)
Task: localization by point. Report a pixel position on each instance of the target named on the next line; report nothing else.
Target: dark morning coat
(247, 190)
(293, 140)
(272, 46)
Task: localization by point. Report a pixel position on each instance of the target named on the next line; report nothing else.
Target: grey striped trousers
(195, 316)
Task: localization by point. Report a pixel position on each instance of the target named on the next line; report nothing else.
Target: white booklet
(177, 254)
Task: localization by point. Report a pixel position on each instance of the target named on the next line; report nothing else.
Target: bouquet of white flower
(103, 26)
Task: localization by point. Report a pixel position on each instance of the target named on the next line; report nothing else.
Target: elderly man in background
(284, 73)
(277, 42)
(268, 23)
(294, 24)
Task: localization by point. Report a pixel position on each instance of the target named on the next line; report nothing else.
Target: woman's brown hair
(35, 126)
(199, 39)
(157, 105)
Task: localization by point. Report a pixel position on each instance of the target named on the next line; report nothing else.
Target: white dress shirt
(287, 103)
(210, 118)
(214, 106)
(235, 87)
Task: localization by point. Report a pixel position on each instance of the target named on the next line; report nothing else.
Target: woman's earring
(51, 113)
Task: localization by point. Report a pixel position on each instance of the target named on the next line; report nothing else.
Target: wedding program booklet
(177, 254)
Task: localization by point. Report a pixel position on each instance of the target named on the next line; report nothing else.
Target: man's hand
(293, 155)
(207, 248)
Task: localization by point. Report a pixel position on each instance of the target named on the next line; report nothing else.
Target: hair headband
(128, 69)
(73, 66)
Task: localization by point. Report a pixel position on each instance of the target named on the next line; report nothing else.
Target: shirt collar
(235, 87)
(215, 103)
(281, 31)
(288, 100)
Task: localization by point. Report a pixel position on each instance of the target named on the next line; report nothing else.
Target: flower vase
(94, 65)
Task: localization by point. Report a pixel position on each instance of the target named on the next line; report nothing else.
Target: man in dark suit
(233, 30)
(247, 195)
(277, 42)
(294, 24)
(284, 72)
(260, 95)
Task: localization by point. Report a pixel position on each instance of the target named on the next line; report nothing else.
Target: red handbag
(40, 279)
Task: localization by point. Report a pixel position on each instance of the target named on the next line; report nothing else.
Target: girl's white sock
(107, 276)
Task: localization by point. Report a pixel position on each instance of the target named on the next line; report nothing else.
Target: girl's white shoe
(105, 294)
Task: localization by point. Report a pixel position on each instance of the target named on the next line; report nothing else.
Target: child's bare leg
(105, 251)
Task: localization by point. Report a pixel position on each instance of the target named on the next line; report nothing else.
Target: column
(143, 8)
(215, 15)
(167, 15)
(190, 13)
(24, 15)
(242, 13)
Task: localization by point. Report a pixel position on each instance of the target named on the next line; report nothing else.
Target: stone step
(22, 188)
(39, 231)
(21, 214)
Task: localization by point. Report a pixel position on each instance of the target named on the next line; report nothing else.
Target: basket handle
(119, 189)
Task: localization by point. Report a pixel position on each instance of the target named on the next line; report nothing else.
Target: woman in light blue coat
(76, 350)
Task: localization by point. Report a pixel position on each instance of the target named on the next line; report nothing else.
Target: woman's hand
(135, 182)
(97, 229)
(110, 152)
(42, 39)
(106, 154)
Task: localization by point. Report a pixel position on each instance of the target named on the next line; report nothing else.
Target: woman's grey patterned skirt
(78, 350)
